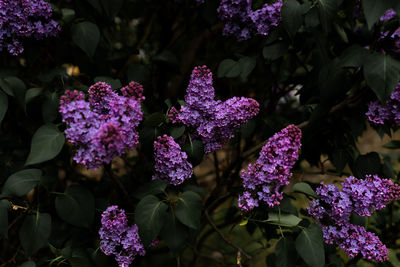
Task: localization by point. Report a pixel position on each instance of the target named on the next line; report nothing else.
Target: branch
(224, 237)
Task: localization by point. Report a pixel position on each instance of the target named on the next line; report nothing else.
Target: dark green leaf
(22, 182)
(50, 107)
(394, 144)
(374, 9)
(367, 164)
(138, 73)
(353, 56)
(67, 14)
(152, 188)
(188, 210)
(150, 217)
(275, 51)
(341, 32)
(292, 17)
(96, 4)
(28, 264)
(32, 93)
(174, 234)
(154, 119)
(327, 11)
(228, 68)
(247, 65)
(46, 143)
(382, 74)
(195, 151)
(3, 105)
(86, 35)
(340, 158)
(167, 57)
(305, 189)
(115, 83)
(387, 169)
(283, 219)
(4, 206)
(76, 206)
(177, 132)
(112, 7)
(34, 232)
(310, 246)
(14, 87)
(286, 253)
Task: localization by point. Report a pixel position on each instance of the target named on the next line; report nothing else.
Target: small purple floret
(171, 164)
(379, 114)
(262, 181)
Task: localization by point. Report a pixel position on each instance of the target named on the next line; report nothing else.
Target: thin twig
(224, 237)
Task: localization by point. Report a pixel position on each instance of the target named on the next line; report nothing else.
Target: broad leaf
(228, 68)
(374, 9)
(32, 93)
(195, 151)
(76, 206)
(34, 232)
(152, 188)
(3, 105)
(394, 144)
(292, 17)
(115, 83)
(28, 264)
(150, 217)
(46, 143)
(285, 252)
(188, 209)
(154, 119)
(305, 189)
(4, 206)
(275, 51)
(247, 65)
(86, 35)
(174, 234)
(283, 219)
(367, 164)
(310, 246)
(177, 132)
(22, 182)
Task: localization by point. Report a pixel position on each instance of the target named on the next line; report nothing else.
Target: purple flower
(389, 14)
(334, 207)
(171, 163)
(263, 180)
(379, 114)
(240, 20)
(118, 238)
(22, 19)
(103, 127)
(214, 120)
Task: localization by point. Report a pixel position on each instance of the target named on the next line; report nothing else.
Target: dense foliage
(186, 133)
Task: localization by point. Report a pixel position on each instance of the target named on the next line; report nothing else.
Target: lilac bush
(171, 164)
(241, 21)
(263, 180)
(390, 113)
(103, 127)
(23, 19)
(214, 120)
(334, 207)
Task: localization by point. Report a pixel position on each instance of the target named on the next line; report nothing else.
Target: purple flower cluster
(263, 180)
(104, 126)
(240, 20)
(22, 19)
(389, 14)
(118, 238)
(214, 120)
(379, 114)
(171, 164)
(361, 197)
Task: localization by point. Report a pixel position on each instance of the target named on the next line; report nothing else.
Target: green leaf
(138, 73)
(353, 56)
(150, 216)
(283, 219)
(275, 51)
(367, 164)
(46, 143)
(115, 83)
(228, 68)
(32, 93)
(374, 9)
(174, 234)
(86, 35)
(285, 251)
(340, 158)
(76, 206)
(177, 132)
(310, 246)
(28, 264)
(15, 87)
(195, 151)
(382, 74)
(3, 105)
(188, 209)
(112, 7)
(292, 17)
(22, 182)
(154, 120)
(394, 144)
(327, 11)
(152, 188)
(50, 107)
(34, 232)
(4, 206)
(168, 57)
(305, 189)
(247, 65)
(67, 14)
